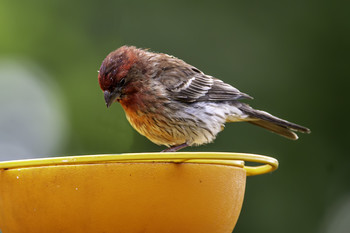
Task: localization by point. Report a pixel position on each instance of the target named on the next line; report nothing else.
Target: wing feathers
(192, 85)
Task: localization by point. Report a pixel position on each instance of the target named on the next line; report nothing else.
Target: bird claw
(175, 148)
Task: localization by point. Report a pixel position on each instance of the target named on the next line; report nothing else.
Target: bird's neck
(134, 102)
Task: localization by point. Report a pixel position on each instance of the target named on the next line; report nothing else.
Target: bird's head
(115, 73)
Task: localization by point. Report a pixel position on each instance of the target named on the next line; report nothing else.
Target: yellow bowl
(127, 193)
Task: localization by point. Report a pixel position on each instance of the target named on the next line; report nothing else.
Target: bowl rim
(219, 158)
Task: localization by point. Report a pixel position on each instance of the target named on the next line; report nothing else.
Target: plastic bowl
(127, 193)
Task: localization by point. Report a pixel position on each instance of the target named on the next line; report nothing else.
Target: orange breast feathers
(148, 121)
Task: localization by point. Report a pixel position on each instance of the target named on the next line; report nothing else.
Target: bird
(175, 104)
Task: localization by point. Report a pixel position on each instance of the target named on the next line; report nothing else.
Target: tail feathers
(272, 123)
(285, 132)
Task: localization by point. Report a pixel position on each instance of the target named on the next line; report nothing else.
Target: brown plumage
(175, 104)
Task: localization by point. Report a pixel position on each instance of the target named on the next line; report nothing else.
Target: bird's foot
(175, 148)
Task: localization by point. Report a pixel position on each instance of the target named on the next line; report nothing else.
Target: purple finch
(175, 104)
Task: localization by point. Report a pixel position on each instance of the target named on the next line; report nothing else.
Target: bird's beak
(110, 97)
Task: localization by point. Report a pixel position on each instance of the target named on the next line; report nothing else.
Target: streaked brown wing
(188, 84)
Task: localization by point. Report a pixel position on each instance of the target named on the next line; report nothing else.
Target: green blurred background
(291, 56)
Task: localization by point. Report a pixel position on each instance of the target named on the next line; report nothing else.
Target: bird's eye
(122, 82)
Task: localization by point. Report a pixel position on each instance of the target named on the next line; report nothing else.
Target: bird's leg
(175, 148)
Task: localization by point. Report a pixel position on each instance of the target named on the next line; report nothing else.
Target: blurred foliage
(291, 56)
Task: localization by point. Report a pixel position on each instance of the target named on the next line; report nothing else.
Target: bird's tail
(272, 123)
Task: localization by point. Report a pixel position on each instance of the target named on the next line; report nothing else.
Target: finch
(175, 104)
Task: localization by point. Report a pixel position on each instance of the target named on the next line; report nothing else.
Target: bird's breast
(155, 127)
